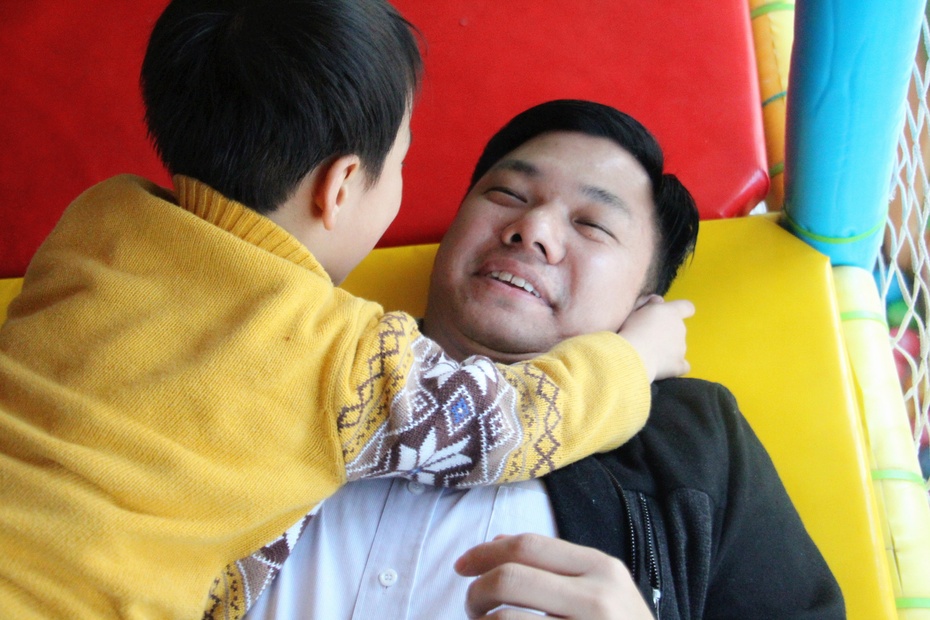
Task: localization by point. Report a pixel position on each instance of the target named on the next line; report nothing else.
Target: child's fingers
(683, 307)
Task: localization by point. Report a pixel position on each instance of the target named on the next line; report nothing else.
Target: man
(569, 225)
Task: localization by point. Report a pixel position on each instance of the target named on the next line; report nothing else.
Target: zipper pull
(656, 597)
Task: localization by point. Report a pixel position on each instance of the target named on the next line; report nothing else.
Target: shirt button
(415, 487)
(388, 578)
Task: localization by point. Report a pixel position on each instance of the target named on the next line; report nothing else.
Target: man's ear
(335, 184)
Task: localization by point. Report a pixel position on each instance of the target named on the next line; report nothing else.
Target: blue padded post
(850, 71)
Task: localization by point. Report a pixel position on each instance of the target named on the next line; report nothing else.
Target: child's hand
(656, 329)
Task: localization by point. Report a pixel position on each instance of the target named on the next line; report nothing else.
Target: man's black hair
(676, 215)
(248, 96)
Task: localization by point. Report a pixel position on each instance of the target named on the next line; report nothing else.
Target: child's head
(250, 96)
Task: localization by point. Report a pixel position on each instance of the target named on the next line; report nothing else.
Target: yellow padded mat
(9, 288)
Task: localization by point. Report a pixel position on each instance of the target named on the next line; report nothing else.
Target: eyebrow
(602, 195)
(594, 192)
(518, 165)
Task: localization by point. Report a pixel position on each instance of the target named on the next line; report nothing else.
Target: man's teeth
(517, 281)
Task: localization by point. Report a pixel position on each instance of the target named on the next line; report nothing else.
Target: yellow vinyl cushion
(9, 288)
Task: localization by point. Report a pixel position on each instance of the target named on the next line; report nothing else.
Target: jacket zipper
(631, 564)
(655, 578)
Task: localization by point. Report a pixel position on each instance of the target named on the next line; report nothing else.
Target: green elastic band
(857, 315)
(771, 7)
(777, 169)
(912, 603)
(827, 239)
(897, 474)
(775, 97)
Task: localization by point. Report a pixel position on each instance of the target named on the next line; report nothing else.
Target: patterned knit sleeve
(414, 412)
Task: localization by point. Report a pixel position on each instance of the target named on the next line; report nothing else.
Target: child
(181, 381)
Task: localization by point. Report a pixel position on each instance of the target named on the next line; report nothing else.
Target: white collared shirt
(385, 549)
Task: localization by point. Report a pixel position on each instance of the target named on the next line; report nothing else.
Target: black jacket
(694, 508)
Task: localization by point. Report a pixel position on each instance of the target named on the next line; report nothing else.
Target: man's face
(553, 241)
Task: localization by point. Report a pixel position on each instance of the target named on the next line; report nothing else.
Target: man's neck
(459, 347)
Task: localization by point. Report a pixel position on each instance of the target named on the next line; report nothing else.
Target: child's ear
(335, 186)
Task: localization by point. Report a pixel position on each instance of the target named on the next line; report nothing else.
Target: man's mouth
(512, 280)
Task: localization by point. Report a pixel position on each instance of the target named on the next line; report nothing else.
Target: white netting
(904, 272)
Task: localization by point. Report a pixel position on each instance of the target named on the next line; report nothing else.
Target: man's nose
(540, 231)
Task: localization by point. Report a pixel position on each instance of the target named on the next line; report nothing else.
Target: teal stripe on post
(864, 315)
(897, 474)
(775, 97)
(771, 7)
(813, 237)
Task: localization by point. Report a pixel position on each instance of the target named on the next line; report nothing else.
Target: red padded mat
(71, 112)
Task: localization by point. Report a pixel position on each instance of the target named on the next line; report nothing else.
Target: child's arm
(412, 411)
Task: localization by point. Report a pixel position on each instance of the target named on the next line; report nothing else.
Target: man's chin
(476, 327)
(510, 344)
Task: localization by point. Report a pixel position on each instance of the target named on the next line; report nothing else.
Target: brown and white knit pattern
(238, 588)
(540, 416)
(447, 423)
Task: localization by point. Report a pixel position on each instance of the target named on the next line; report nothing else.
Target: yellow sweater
(179, 386)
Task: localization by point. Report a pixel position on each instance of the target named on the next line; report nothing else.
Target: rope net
(903, 273)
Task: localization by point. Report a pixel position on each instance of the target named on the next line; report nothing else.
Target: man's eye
(506, 194)
(594, 228)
